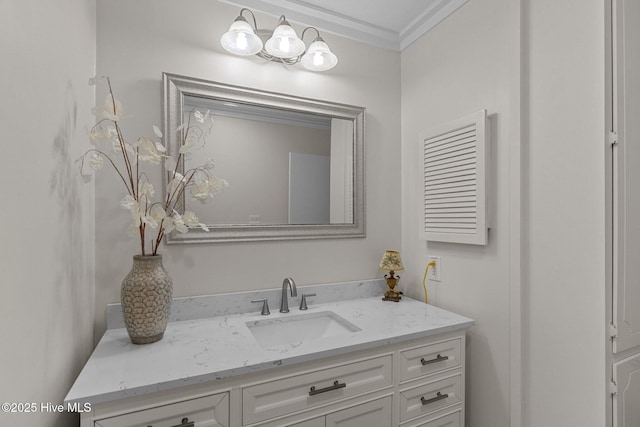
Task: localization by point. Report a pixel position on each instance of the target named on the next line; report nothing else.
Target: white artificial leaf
(190, 218)
(128, 202)
(156, 130)
(146, 189)
(209, 164)
(96, 162)
(112, 109)
(150, 221)
(161, 148)
(158, 213)
(168, 225)
(170, 164)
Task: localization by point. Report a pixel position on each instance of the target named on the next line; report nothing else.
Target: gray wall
(47, 251)
(139, 40)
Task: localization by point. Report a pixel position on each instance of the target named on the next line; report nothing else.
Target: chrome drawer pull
(186, 423)
(336, 385)
(439, 396)
(436, 360)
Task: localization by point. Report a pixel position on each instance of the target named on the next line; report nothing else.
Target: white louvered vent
(454, 158)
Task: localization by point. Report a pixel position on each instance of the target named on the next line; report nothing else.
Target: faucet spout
(284, 301)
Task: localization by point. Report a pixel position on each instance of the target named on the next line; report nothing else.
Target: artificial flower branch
(163, 218)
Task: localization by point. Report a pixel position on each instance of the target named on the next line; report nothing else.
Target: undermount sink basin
(299, 327)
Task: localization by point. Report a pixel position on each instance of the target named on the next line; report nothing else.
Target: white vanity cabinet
(418, 382)
(400, 365)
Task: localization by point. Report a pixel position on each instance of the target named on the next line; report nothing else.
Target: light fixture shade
(284, 43)
(241, 39)
(391, 261)
(319, 57)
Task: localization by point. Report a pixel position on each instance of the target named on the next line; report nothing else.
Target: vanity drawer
(310, 389)
(209, 411)
(431, 397)
(430, 359)
(450, 420)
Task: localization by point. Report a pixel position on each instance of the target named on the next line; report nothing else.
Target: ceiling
(390, 24)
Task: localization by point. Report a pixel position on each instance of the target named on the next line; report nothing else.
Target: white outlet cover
(435, 272)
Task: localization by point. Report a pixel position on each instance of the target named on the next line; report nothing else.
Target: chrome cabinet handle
(265, 306)
(184, 423)
(439, 396)
(436, 360)
(336, 385)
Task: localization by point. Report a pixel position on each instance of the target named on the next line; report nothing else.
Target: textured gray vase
(146, 299)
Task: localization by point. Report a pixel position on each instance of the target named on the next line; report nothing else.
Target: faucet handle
(303, 303)
(265, 306)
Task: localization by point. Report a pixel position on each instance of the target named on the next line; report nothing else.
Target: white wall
(139, 40)
(473, 61)
(456, 69)
(566, 289)
(459, 67)
(48, 54)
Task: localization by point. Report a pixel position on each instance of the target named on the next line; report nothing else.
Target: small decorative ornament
(146, 292)
(391, 262)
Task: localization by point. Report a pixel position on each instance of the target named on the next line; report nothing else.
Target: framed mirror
(294, 166)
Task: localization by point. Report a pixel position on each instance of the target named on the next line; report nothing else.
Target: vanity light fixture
(280, 45)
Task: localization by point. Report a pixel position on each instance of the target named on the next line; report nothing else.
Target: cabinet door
(626, 402)
(316, 422)
(626, 204)
(209, 411)
(371, 414)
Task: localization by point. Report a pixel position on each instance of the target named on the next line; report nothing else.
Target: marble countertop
(200, 350)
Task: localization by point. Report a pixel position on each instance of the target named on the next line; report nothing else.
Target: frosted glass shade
(284, 43)
(241, 39)
(319, 57)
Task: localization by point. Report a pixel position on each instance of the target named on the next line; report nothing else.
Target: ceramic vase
(146, 295)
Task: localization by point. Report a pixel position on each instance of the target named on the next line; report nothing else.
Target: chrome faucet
(284, 302)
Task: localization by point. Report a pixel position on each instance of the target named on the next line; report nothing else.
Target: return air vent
(455, 157)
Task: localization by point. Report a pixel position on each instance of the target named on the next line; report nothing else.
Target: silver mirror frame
(176, 87)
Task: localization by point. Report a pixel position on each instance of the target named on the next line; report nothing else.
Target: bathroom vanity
(360, 362)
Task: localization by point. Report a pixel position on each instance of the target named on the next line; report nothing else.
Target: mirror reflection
(294, 166)
(282, 166)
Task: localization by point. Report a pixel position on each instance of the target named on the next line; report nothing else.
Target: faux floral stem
(124, 181)
(159, 219)
(121, 140)
(125, 155)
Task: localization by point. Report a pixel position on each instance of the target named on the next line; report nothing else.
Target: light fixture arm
(255, 24)
(311, 28)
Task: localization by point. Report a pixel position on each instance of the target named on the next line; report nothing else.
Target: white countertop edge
(106, 377)
(287, 361)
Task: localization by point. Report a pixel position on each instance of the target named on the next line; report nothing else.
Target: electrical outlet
(435, 271)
